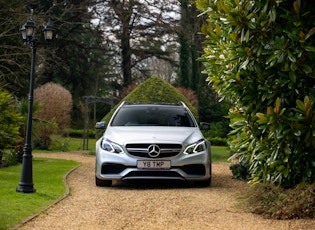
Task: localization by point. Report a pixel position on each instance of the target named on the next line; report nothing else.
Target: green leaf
(251, 25)
(278, 102)
(309, 48)
(271, 58)
(296, 7)
(286, 172)
(297, 133)
(300, 105)
(273, 15)
(247, 36)
(292, 76)
(280, 168)
(307, 68)
(310, 33)
(282, 111)
(293, 66)
(261, 116)
(244, 64)
(291, 57)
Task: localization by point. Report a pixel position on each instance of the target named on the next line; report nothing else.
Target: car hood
(153, 134)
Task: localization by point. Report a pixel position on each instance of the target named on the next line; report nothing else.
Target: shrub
(80, 132)
(59, 144)
(261, 55)
(54, 113)
(190, 95)
(22, 108)
(11, 158)
(217, 141)
(276, 202)
(218, 129)
(10, 121)
(240, 171)
(56, 103)
(42, 133)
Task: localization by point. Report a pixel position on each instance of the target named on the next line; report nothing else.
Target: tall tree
(81, 65)
(139, 30)
(14, 57)
(76, 60)
(185, 57)
(190, 73)
(79, 48)
(190, 40)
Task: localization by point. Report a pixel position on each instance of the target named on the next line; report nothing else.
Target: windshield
(153, 116)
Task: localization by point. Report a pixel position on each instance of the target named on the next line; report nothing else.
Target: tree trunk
(126, 55)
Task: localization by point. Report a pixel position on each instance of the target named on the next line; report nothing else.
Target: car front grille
(141, 150)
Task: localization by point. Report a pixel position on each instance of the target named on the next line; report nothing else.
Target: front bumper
(192, 167)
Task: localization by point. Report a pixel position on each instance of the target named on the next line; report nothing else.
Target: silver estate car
(152, 141)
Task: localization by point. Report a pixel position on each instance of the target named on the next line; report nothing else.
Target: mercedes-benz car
(153, 141)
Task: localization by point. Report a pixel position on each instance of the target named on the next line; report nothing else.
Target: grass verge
(48, 181)
(220, 154)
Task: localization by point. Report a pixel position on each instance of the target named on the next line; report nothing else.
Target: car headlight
(112, 147)
(196, 147)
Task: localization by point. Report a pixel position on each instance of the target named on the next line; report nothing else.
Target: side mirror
(204, 126)
(100, 125)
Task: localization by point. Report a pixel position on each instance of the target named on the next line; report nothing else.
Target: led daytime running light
(197, 147)
(112, 147)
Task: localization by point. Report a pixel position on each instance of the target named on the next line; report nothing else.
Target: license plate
(154, 164)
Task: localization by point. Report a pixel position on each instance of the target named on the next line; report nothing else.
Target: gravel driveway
(152, 205)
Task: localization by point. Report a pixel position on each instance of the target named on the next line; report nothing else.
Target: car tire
(103, 183)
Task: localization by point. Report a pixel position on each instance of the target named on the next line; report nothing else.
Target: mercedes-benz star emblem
(153, 150)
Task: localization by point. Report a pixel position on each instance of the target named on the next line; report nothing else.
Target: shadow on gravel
(225, 181)
(218, 181)
(154, 184)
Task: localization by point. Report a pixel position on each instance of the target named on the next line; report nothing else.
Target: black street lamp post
(28, 34)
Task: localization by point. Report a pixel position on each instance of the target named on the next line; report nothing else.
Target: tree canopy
(139, 31)
(103, 46)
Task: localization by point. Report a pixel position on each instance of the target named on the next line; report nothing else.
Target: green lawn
(48, 181)
(220, 154)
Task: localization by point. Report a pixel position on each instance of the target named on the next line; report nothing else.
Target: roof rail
(152, 103)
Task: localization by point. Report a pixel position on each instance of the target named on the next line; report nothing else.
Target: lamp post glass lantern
(28, 34)
(49, 32)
